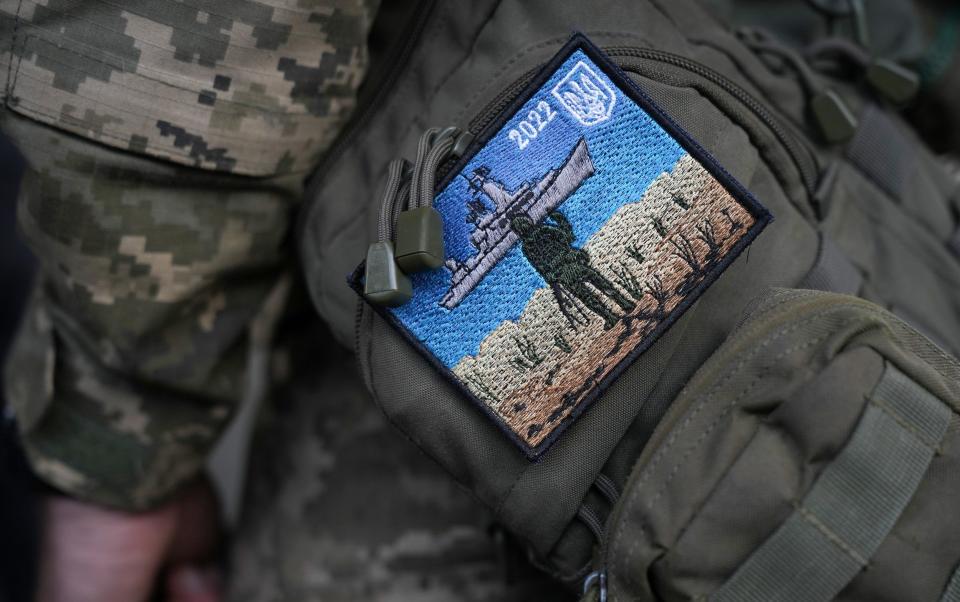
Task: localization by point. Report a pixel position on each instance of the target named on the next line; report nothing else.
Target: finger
(91, 553)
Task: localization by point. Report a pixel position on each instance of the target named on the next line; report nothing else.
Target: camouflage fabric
(340, 507)
(156, 275)
(133, 354)
(245, 86)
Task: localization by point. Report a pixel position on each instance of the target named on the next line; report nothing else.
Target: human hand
(95, 554)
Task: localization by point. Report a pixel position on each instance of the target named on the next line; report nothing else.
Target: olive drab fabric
(861, 207)
(168, 143)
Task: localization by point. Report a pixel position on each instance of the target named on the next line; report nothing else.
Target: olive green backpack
(793, 435)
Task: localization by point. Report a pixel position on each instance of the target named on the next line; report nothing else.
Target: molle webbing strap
(952, 593)
(853, 505)
(832, 271)
(882, 152)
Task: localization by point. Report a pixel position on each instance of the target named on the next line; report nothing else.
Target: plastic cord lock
(837, 123)
(419, 240)
(896, 83)
(384, 283)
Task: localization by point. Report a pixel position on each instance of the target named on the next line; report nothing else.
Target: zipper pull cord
(853, 10)
(384, 282)
(423, 149)
(426, 168)
(409, 229)
(833, 117)
(887, 78)
(393, 201)
(420, 226)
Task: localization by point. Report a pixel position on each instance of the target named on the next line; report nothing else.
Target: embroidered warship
(492, 235)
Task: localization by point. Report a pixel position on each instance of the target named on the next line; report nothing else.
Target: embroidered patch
(578, 227)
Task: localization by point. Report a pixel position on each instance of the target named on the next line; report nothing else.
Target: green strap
(952, 593)
(853, 505)
(832, 271)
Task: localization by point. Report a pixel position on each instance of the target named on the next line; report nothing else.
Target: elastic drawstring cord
(409, 228)
(392, 201)
(406, 189)
(763, 43)
(853, 9)
(842, 47)
(427, 169)
(423, 148)
(836, 122)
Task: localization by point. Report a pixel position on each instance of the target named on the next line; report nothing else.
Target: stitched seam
(162, 153)
(169, 163)
(895, 233)
(830, 534)
(661, 453)
(153, 117)
(466, 57)
(516, 58)
(169, 152)
(644, 527)
(730, 406)
(264, 27)
(873, 311)
(683, 530)
(174, 27)
(878, 312)
(165, 49)
(198, 87)
(904, 424)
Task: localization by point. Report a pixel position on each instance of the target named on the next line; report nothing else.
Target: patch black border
(628, 87)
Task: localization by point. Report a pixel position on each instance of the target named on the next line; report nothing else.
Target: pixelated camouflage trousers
(340, 506)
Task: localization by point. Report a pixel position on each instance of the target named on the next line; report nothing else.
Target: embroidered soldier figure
(567, 269)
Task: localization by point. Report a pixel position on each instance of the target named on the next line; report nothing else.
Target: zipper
(803, 157)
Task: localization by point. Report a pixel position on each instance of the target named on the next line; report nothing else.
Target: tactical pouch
(873, 224)
(815, 456)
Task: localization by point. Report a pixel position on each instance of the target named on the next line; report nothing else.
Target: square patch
(577, 228)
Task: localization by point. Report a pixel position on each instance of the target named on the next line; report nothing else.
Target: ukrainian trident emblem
(585, 95)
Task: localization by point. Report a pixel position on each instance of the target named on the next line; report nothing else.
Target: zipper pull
(837, 123)
(384, 283)
(886, 78)
(894, 82)
(420, 240)
(420, 227)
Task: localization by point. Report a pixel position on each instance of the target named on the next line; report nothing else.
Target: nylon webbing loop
(832, 272)
(853, 505)
(879, 149)
(952, 593)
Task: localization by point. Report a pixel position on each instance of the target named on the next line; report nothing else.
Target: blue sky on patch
(629, 151)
